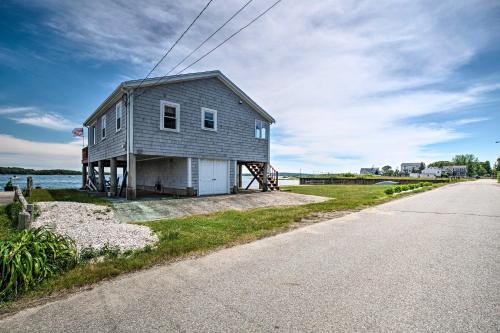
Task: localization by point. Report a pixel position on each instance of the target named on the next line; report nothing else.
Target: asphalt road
(426, 263)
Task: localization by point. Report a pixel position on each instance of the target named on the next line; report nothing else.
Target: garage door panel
(214, 176)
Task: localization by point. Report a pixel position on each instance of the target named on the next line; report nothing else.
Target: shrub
(9, 186)
(411, 186)
(107, 251)
(32, 256)
(498, 176)
(404, 188)
(389, 191)
(13, 211)
(397, 188)
(426, 184)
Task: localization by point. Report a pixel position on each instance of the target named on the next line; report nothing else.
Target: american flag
(78, 131)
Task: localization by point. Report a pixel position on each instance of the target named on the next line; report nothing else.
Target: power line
(209, 37)
(175, 43)
(228, 38)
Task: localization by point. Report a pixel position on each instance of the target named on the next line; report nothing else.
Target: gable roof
(128, 85)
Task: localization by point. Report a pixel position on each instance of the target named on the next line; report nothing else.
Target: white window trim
(265, 125)
(177, 115)
(104, 127)
(203, 111)
(118, 106)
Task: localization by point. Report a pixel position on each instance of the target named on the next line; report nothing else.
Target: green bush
(397, 188)
(13, 211)
(389, 191)
(426, 184)
(498, 176)
(32, 256)
(411, 186)
(404, 188)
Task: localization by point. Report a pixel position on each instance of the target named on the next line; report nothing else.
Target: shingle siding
(235, 135)
(114, 143)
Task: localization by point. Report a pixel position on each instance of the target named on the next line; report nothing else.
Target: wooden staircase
(256, 169)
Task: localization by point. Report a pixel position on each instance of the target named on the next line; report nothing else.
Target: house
(369, 171)
(431, 172)
(407, 168)
(456, 170)
(186, 134)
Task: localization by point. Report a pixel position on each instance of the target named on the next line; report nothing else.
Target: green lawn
(66, 195)
(201, 233)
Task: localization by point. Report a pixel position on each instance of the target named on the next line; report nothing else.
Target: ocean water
(66, 181)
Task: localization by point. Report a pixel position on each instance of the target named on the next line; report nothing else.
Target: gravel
(92, 226)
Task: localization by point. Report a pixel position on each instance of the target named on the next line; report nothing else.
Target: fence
(25, 217)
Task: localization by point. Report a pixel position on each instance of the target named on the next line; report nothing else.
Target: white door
(214, 175)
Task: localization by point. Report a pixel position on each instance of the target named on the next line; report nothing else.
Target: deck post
(131, 177)
(84, 176)
(240, 175)
(265, 172)
(113, 171)
(100, 166)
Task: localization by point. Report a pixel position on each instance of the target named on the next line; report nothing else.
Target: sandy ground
(147, 210)
(92, 226)
(6, 198)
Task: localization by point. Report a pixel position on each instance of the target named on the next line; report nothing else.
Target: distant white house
(408, 168)
(431, 172)
(369, 171)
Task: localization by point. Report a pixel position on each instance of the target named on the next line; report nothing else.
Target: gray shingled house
(187, 134)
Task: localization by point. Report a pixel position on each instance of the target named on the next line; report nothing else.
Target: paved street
(430, 262)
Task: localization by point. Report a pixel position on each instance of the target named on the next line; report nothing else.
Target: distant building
(456, 170)
(431, 172)
(369, 171)
(407, 168)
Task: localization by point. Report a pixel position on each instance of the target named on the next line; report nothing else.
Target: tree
(421, 167)
(397, 173)
(440, 164)
(387, 170)
(487, 167)
(468, 160)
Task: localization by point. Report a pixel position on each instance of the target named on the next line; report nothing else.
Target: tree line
(23, 171)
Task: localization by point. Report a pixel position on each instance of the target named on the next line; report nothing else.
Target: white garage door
(214, 176)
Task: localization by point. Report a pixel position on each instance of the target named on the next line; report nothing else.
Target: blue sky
(351, 84)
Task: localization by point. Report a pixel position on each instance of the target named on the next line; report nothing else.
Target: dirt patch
(148, 210)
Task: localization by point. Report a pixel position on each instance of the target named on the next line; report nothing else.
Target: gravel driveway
(147, 210)
(92, 226)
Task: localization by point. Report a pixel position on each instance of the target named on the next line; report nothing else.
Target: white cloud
(342, 78)
(12, 109)
(35, 154)
(30, 115)
(51, 121)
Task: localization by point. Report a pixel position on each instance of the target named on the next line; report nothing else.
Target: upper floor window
(209, 119)
(103, 127)
(94, 135)
(260, 129)
(170, 116)
(119, 113)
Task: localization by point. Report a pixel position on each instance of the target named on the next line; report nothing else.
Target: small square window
(209, 119)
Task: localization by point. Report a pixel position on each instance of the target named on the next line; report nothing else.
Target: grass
(6, 229)
(66, 195)
(199, 234)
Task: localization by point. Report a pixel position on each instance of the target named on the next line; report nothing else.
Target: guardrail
(24, 218)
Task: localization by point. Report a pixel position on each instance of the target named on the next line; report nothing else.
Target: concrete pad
(147, 210)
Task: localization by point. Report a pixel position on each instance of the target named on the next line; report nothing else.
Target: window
(119, 113)
(103, 127)
(169, 115)
(260, 129)
(94, 135)
(209, 119)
